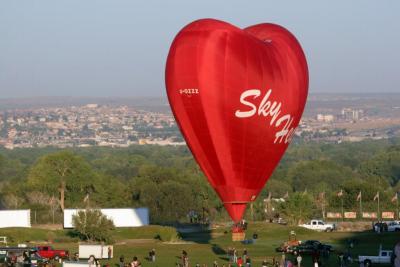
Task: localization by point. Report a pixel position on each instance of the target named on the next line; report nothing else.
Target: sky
(118, 48)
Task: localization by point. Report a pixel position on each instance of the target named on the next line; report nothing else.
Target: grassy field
(207, 246)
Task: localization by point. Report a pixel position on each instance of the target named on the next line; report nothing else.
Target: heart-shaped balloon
(238, 96)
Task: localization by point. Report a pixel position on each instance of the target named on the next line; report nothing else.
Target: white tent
(121, 217)
(15, 218)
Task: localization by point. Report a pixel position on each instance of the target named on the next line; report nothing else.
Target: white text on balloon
(270, 109)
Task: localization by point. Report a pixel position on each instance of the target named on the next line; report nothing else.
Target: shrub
(92, 225)
(167, 234)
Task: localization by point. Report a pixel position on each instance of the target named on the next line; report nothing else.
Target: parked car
(310, 246)
(49, 252)
(13, 256)
(280, 221)
(393, 226)
(384, 256)
(319, 225)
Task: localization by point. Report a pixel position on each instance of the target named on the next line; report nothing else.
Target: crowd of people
(236, 258)
(135, 262)
(243, 259)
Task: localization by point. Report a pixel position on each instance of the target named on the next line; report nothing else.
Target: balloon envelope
(237, 96)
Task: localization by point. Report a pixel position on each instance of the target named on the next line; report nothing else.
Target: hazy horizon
(100, 48)
(164, 96)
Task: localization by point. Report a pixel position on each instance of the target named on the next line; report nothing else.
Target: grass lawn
(207, 246)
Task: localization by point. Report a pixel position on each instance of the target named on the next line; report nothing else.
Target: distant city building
(325, 117)
(88, 125)
(350, 114)
(92, 105)
(121, 126)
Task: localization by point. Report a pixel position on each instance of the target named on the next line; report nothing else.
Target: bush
(92, 225)
(167, 234)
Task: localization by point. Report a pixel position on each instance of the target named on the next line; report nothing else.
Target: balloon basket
(238, 234)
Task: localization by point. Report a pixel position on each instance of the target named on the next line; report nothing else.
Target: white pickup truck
(384, 256)
(319, 225)
(393, 226)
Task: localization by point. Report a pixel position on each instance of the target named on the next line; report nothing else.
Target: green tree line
(169, 182)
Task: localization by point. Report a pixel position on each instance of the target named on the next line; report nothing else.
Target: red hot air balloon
(238, 96)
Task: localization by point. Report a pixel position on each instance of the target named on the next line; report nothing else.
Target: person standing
(244, 255)
(27, 259)
(264, 263)
(248, 262)
(92, 261)
(121, 261)
(230, 254)
(299, 259)
(239, 262)
(235, 258)
(152, 255)
(283, 260)
(340, 257)
(135, 262)
(109, 252)
(185, 259)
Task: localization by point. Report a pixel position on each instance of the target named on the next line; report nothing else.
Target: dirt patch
(353, 226)
(48, 226)
(136, 241)
(179, 242)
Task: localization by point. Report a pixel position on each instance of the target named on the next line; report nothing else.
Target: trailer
(97, 250)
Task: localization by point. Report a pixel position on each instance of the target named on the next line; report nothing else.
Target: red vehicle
(49, 253)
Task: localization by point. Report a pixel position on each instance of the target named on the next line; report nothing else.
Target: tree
(122, 165)
(62, 171)
(11, 201)
(92, 225)
(385, 167)
(298, 207)
(318, 175)
(10, 169)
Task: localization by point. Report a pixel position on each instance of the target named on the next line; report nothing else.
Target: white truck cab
(393, 226)
(319, 225)
(384, 256)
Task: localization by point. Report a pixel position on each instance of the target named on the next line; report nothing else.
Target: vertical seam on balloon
(211, 140)
(243, 182)
(208, 177)
(225, 66)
